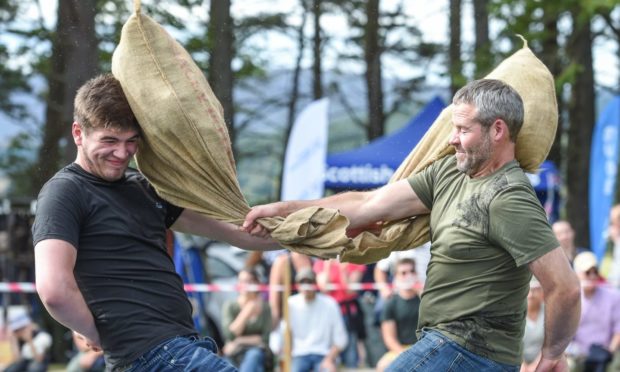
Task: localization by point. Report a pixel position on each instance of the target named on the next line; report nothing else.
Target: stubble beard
(475, 158)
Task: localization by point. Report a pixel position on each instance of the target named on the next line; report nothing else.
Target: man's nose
(454, 139)
(124, 151)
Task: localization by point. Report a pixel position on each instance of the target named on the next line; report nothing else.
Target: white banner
(304, 163)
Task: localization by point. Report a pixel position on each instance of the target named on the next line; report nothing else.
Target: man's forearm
(562, 312)
(614, 345)
(333, 353)
(347, 203)
(68, 307)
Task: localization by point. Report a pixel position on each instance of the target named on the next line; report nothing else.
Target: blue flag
(603, 169)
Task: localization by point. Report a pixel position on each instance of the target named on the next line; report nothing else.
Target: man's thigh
(435, 352)
(306, 363)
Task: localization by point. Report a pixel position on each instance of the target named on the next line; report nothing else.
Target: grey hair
(493, 100)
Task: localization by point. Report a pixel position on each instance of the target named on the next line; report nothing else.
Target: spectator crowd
(330, 318)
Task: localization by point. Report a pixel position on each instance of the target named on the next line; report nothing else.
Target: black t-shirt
(122, 269)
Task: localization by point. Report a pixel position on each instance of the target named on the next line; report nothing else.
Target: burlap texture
(185, 150)
(186, 154)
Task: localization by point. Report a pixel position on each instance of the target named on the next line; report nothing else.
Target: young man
(399, 319)
(101, 263)
(489, 233)
(317, 327)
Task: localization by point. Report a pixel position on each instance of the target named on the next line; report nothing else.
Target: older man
(489, 233)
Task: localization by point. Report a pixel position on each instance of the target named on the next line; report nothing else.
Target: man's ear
(499, 129)
(77, 132)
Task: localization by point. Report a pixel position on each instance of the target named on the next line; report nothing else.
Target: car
(217, 264)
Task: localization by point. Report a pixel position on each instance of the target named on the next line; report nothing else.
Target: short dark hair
(252, 272)
(406, 261)
(101, 103)
(493, 100)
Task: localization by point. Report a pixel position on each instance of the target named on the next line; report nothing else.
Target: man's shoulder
(609, 293)
(65, 179)
(515, 175)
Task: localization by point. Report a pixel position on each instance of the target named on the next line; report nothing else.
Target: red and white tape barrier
(23, 287)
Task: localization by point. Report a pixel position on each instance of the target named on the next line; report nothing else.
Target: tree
(294, 94)
(538, 23)
(317, 72)
(378, 33)
(374, 84)
(581, 113)
(74, 60)
(482, 54)
(457, 80)
(221, 42)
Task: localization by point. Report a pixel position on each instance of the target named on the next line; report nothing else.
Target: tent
(372, 165)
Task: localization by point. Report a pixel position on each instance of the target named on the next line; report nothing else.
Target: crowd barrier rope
(25, 287)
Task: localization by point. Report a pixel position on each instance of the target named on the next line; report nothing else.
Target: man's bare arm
(391, 202)
(192, 222)
(57, 288)
(390, 337)
(562, 304)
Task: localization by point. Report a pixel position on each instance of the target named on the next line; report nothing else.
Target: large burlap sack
(185, 150)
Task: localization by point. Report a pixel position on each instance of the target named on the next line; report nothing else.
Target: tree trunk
(457, 79)
(374, 85)
(550, 57)
(75, 56)
(581, 113)
(317, 81)
(220, 35)
(292, 103)
(483, 58)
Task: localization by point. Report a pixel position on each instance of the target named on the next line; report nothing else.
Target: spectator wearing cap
(29, 345)
(317, 328)
(598, 334)
(534, 334)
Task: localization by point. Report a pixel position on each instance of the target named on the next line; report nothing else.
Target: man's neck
(501, 156)
(407, 294)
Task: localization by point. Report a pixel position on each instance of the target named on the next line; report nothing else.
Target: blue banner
(603, 169)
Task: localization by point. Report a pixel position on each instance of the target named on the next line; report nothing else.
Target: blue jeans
(435, 352)
(181, 354)
(307, 363)
(350, 356)
(253, 360)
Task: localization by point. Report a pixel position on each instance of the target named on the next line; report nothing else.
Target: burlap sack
(185, 152)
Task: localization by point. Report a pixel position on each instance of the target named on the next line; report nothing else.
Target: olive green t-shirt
(483, 233)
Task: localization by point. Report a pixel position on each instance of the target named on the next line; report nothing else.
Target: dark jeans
(181, 354)
(435, 352)
(26, 365)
